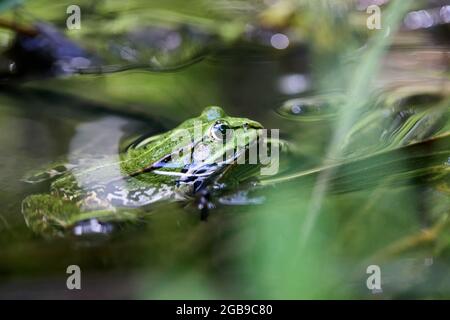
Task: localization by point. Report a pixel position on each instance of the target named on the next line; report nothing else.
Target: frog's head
(198, 146)
(223, 138)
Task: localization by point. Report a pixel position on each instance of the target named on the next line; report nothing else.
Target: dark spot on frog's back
(197, 185)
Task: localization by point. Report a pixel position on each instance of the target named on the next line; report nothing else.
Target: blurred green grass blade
(358, 93)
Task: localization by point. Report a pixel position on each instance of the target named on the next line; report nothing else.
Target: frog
(190, 163)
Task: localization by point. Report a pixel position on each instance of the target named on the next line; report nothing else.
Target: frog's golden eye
(221, 130)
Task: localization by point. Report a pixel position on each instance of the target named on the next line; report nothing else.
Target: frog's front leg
(204, 203)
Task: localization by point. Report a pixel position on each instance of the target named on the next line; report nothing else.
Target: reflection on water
(93, 144)
(424, 19)
(99, 137)
(92, 226)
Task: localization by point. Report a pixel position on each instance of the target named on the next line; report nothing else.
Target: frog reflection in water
(186, 163)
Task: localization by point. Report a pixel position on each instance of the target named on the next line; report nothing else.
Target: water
(46, 126)
(249, 249)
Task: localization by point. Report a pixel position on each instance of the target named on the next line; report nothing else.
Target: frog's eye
(221, 130)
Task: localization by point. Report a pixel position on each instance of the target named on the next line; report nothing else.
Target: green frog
(191, 162)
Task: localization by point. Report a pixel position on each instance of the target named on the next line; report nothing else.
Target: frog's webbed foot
(204, 203)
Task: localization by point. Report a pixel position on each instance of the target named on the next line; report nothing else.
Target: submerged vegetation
(90, 107)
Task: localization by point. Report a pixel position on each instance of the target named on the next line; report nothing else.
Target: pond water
(387, 205)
